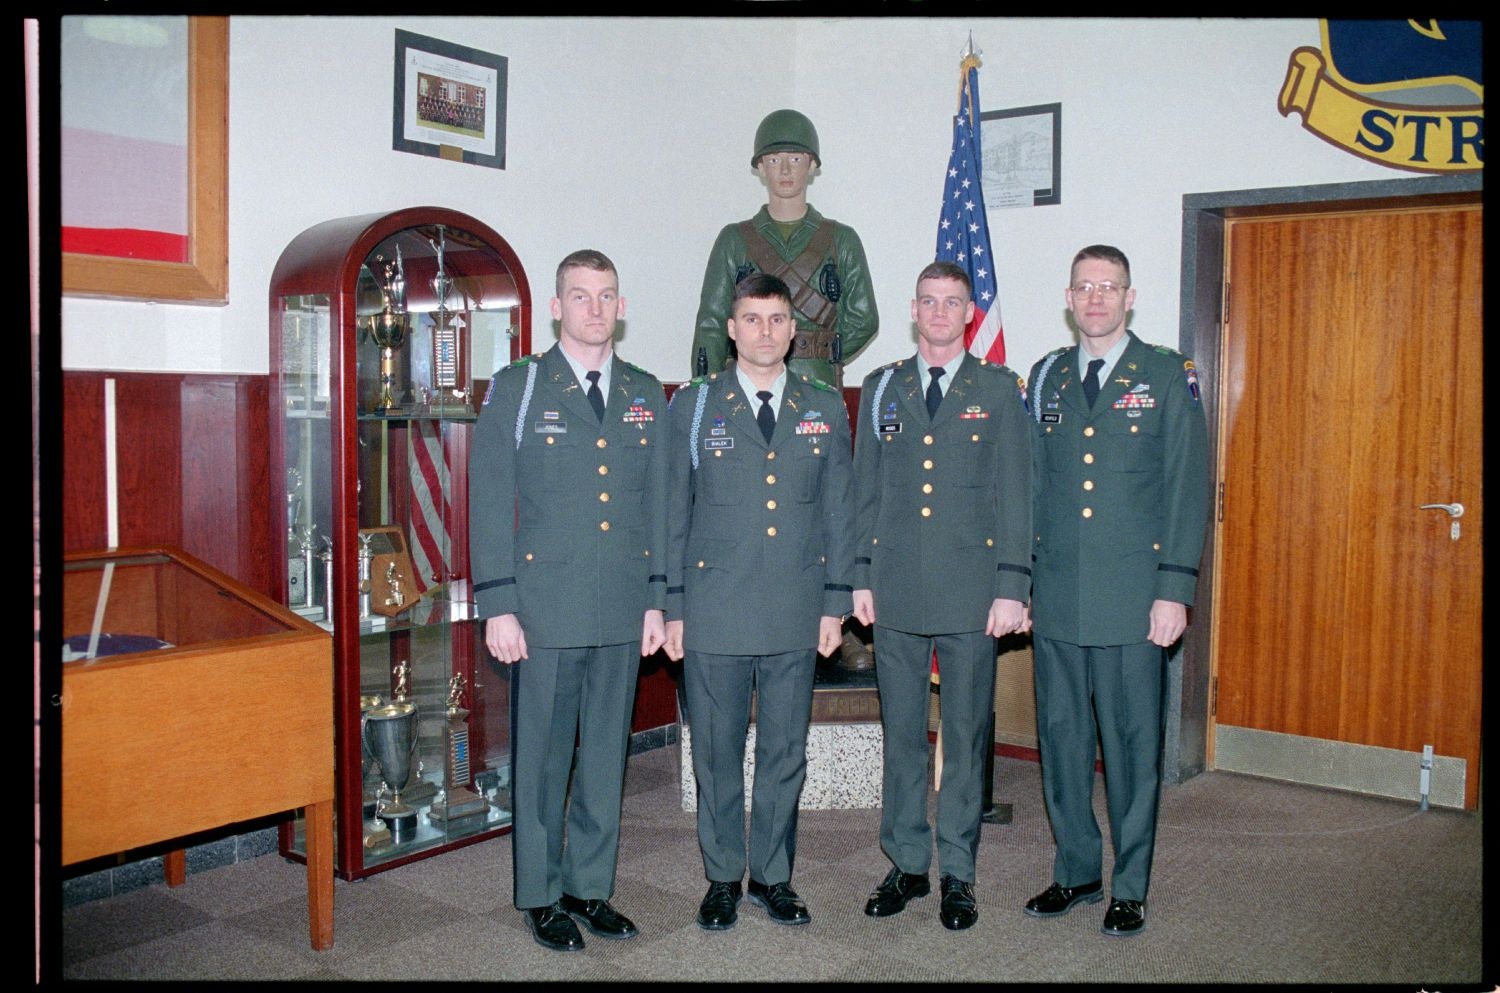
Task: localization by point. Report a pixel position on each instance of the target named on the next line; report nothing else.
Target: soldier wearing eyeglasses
(1120, 507)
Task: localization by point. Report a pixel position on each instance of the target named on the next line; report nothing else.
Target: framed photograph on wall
(449, 101)
(1022, 156)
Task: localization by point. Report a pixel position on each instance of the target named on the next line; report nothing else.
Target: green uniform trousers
(555, 694)
(718, 688)
(1112, 695)
(966, 662)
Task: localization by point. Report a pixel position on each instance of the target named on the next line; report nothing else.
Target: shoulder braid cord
(697, 420)
(885, 377)
(525, 402)
(1041, 378)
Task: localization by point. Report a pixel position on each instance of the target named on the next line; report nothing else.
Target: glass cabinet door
(384, 328)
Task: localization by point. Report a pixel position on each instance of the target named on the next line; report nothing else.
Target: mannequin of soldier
(821, 261)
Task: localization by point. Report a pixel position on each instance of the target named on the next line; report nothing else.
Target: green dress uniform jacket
(759, 536)
(844, 279)
(944, 504)
(567, 522)
(1121, 494)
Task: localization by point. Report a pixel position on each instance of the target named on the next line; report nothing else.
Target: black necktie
(764, 417)
(595, 397)
(934, 392)
(1091, 381)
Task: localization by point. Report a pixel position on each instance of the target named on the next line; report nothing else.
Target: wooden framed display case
(385, 330)
(190, 702)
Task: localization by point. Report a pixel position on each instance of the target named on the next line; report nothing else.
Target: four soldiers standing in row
(733, 530)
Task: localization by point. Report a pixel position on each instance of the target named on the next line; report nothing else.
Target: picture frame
(1021, 156)
(204, 276)
(448, 101)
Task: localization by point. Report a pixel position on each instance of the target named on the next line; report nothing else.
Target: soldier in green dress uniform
(1121, 505)
(567, 508)
(943, 562)
(759, 553)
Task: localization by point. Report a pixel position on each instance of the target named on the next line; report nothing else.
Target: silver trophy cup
(390, 733)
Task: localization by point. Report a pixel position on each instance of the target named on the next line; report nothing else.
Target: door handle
(1455, 510)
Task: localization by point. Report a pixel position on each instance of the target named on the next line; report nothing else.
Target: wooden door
(1351, 395)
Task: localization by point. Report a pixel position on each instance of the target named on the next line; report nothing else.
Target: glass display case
(385, 330)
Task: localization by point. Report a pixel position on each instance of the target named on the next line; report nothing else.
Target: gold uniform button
(926, 511)
(529, 556)
(1088, 512)
(604, 470)
(643, 439)
(973, 437)
(817, 450)
(771, 531)
(604, 498)
(1049, 429)
(700, 563)
(1088, 484)
(770, 455)
(1156, 546)
(927, 439)
(1134, 428)
(601, 443)
(770, 504)
(927, 464)
(926, 487)
(604, 525)
(989, 542)
(1088, 458)
(551, 440)
(1088, 432)
(718, 453)
(770, 480)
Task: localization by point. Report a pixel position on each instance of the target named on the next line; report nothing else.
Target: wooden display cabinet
(190, 702)
(385, 331)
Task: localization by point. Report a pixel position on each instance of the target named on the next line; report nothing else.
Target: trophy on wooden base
(458, 800)
(390, 732)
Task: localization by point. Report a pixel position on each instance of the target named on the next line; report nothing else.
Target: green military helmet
(784, 130)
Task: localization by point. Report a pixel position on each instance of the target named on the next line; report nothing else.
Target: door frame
(1189, 689)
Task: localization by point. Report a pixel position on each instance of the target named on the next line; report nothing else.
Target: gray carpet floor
(1254, 881)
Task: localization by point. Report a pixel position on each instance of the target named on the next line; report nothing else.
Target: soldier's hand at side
(1025, 624)
(864, 606)
(504, 638)
(830, 634)
(1168, 621)
(653, 632)
(1006, 617)
(673, 644)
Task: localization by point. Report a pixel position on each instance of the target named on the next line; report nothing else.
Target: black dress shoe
(1124, 918)
(782, 904)
(1056, 900)
(958, 909)
(599, 917)
(892, 895)
(717, 911)
(553, 928)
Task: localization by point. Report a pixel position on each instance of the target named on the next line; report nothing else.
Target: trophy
(389, 328)
(370, 786)
(458, 800)
(365, 555)
(449, 366)
(389, 731)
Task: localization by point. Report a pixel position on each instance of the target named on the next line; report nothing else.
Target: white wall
(633, 135)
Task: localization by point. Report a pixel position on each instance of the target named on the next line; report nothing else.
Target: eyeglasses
(1108, 291)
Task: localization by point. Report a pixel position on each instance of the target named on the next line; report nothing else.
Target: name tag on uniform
(1051, 418)
(711, 443)
(551, 427)
(889, 428)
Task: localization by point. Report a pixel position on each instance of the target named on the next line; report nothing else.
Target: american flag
(963, 234)
(427, 465)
